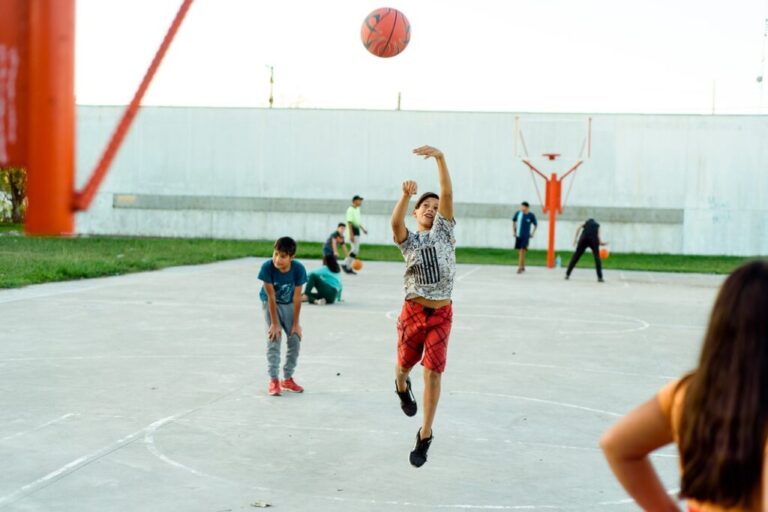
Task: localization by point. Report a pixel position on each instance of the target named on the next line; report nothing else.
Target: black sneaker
(600, 280)
(407, 400)
(567, 277)
(419, 453)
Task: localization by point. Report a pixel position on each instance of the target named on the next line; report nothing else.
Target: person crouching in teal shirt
(326, 280)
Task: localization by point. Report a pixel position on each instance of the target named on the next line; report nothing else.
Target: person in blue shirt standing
(280, 296)
(522, 221)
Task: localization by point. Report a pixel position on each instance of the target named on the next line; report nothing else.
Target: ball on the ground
(385, 32)
(604, 253)
(357, 264)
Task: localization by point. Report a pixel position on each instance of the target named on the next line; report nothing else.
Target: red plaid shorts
(423, 331)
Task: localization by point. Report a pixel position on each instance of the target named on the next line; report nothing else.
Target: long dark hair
(725, 411)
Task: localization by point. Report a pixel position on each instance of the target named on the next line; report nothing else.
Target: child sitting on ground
(326, 280)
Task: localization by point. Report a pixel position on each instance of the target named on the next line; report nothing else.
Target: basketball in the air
(604, 253)
(357, 264)
(385, 32)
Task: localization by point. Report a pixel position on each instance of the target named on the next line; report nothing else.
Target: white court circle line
(643, 326)
(149, 441)
(159, 424)
(542, 401)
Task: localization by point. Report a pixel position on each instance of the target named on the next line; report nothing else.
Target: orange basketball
(604, 253)
(385, 32)
(357, 264)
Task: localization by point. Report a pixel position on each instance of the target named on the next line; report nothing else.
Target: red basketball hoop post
(37, 108)
(552, 204)
(552, 200)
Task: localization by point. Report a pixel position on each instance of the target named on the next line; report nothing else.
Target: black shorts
(521, 242)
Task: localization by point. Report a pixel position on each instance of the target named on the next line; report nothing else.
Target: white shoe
(320, 302)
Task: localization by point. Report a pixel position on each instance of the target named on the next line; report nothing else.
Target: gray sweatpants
(285, 316)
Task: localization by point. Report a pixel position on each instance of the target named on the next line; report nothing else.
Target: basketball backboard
(541, 138)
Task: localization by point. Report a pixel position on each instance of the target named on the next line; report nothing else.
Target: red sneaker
(274, 387)
(290, 385)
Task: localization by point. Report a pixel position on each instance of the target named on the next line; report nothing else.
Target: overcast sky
(480, 55)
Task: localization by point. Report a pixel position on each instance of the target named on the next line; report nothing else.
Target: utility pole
(271, 85)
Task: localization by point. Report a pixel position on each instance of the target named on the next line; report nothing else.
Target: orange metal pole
(553, 202)
(551, 242)
(14, 65)
(51, 114)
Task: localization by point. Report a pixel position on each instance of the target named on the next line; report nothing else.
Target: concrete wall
(657, 183)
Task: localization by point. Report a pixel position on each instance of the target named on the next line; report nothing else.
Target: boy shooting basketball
(425, 321)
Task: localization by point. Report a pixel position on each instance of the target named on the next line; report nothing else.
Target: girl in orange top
(717, 414)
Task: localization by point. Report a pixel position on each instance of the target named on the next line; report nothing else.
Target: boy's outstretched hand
(409, 188)
(428, 151)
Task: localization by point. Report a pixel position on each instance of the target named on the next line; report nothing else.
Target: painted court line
(466, 274)
(66, 469)
(363, 431)
(149, 441)
(542, 401)
(623, 278)
(81, 462)
(643, 326)
(39, 427)
(149, 438)
(581, 369)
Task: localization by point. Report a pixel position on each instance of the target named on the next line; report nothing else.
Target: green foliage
(13, 194)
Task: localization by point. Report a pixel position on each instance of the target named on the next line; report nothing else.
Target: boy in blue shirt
(280, 295)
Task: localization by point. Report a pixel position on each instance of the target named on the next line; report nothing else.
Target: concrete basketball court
(148, 392)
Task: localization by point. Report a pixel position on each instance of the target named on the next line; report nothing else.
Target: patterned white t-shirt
(430, 261)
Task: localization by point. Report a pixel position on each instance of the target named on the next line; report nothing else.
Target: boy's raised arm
(399, 230)
(445, 206)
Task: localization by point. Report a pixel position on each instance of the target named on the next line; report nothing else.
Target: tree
(13, 181)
